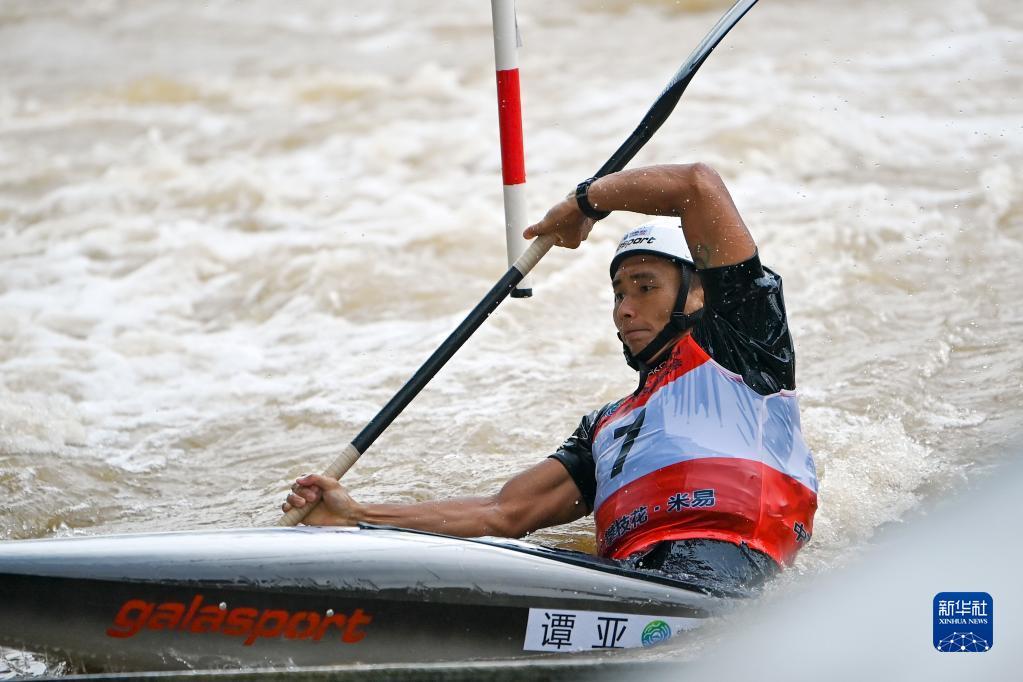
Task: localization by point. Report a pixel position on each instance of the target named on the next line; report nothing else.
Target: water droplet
(330, 612)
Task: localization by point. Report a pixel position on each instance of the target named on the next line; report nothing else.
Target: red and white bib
(699, 454)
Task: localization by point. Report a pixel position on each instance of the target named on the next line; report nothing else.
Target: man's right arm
(541, 496)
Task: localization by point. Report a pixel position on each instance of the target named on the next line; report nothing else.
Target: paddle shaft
(433, 364)
(653, 120)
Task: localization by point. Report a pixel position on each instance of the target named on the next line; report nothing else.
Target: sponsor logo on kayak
(566, 630)
(963, 622)
(248, 623)
(655, 631)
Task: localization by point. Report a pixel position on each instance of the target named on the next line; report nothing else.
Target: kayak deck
(324, 596)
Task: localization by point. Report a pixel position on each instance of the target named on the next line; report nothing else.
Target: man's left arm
(714, 230)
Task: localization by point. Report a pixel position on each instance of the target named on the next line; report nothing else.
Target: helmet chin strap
(678, 323)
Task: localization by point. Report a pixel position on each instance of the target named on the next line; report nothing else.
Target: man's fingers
(546, 226)
(302, 494)
(557, 230)
(302, 490)
(308, 489)
(324, 482)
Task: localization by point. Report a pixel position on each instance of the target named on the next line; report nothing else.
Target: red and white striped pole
(509, 112)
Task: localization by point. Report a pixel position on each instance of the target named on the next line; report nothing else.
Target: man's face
(645, 289)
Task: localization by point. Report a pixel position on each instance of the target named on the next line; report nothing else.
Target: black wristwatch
(583, 200)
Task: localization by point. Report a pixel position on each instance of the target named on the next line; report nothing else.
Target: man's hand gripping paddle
(653, 119)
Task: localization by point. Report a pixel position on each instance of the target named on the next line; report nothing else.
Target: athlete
(702, 472)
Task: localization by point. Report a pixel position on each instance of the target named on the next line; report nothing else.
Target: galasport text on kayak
(243, 621)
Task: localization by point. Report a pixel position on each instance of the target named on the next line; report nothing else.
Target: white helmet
(654, 239)
(664, 241)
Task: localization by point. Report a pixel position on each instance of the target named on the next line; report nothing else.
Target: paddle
(653, 119)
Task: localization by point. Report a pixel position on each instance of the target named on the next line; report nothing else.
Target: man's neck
(665, 352)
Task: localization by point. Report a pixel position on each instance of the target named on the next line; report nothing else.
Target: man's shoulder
(730, 286)
(596, 417)
(745, 326)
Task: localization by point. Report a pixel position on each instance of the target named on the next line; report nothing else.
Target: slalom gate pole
(509, 116)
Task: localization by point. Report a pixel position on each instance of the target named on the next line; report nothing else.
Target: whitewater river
(230, 231)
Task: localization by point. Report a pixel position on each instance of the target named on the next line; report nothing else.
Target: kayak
(274, 597)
